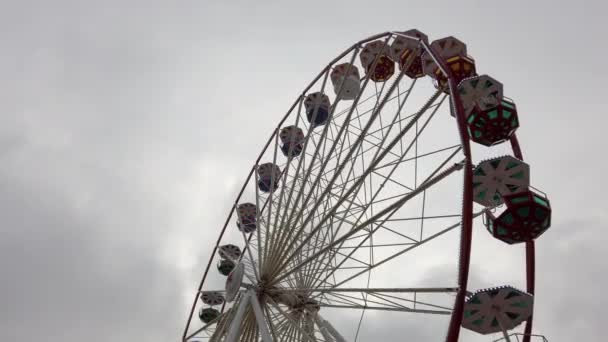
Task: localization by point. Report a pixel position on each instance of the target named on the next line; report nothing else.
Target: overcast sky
(126, 128)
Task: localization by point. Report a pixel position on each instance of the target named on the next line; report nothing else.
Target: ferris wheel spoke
(350, 175)
(396, 121)
(260, 208)
(406, 299)
(342, 165)
(290, 203)
(284, 330)
(415, 302)
(381, 225)
(375, 162)
(388, 179)
(273, 322)
(408, 247)
(397, 301)
(249, 329)
(362, 177)
(317, 146)
(314, 186)
(286, 169)
(432, 175)
(411, 247)
(422, 218)
(291, 336)
(355, 204)
(402, 244)
(275, 319)
(312, 268)
(318, 267)
(304, 209)
(307, 173)
(318, 237)
(293, 322)
(407, 150)
(442, 312)
(389, 211)
(364, 302)
(249, 263)
(313, 272)
(373, 145)
(370, 98)
(351, 258)
(306, 142)
(402, 160)
(379, 93)
(321, 267)
(275, 242)
(257, 208)
(349, 108)
(411, 241)
(360, 114)
(340, 299)
(268, 226)
(343, 141)
(252, 263)
(206, 329)
(277, 228)
(376, 145)
(333, 147)
(458, 147)
(333, 195)
(400, 119)
(329, 233)
(412, 290)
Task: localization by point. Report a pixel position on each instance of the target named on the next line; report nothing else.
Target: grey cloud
(66, 276)
(127, 127)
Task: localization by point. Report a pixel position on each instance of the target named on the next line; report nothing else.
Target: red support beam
(466, 235)
(530, 252)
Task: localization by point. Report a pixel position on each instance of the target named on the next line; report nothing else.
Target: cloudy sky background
(126, 128)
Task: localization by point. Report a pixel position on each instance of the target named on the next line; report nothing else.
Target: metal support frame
(249, 298)
(530, 251)
(329, 328)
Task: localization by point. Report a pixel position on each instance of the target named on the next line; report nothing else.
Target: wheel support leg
(326, 336)
(332, 331)
(259, 317)
(235, 328)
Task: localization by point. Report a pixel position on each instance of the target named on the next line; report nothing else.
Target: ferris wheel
(364, 200)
